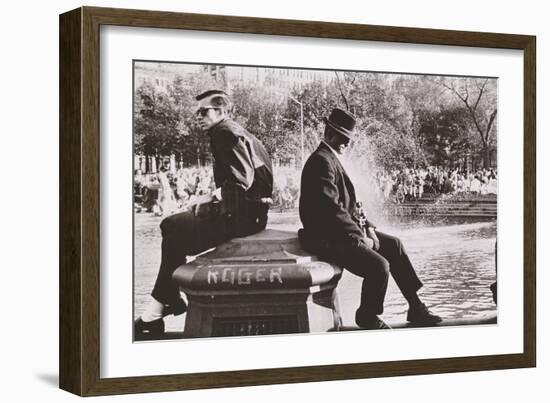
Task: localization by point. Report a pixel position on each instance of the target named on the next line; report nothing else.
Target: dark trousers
(186, 234)
(374, 267)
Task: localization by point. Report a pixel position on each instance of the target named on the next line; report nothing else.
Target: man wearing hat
(244, 179)
(334, 231)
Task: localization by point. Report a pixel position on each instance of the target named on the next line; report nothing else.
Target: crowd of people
(168, 191)
(411, 184)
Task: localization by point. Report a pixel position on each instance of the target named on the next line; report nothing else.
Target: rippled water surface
(454, 259)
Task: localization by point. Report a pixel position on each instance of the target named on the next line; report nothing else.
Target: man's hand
(217, 194)
(369, 242)
(371, 234)
(197, 201)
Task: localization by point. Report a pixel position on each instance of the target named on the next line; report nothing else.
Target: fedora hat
(341, 121)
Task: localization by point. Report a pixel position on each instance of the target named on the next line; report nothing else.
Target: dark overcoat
(327, 199)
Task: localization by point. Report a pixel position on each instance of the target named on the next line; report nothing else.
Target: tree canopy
(402, 120)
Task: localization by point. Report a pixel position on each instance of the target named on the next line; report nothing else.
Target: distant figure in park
(244, 179)
(388, 185)
(475, 185)
(336, 230)
(166, 198)
(151, 194)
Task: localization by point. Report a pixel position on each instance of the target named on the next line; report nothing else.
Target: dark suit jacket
(242, 166)
(327, 199)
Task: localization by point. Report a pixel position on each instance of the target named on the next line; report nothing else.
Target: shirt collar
(332, 149)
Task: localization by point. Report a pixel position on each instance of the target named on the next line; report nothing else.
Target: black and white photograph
(272, 200)
(264, 202)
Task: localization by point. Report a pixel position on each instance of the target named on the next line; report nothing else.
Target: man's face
(337, 141)
(207, 114)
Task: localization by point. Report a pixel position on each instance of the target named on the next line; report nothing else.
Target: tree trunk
(147, 164)
(157, 164)
(486, 157)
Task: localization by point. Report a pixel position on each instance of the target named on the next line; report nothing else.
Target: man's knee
(173, 223)
(393, 244)
(366, 263)
(382, 269)
(167, 225)
(378, 269)
(398, 245)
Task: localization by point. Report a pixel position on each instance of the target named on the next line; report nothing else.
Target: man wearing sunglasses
(337, 229)
(243, 176)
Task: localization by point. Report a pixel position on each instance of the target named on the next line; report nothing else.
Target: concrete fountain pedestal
(261, 284)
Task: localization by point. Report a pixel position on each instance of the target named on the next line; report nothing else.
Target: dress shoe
(420, 315)
(148, 330)
(176, 308)
(371, 322)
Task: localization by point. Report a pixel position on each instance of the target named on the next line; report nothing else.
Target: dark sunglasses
(203, 111)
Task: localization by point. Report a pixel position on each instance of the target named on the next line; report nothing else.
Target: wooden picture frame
(80, 200)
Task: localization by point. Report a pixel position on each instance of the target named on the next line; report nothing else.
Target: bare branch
(341, 90)
(476, 123)
(481, 91)
(467, 93)
(472, 109)
(454, 90)
(490, 124)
